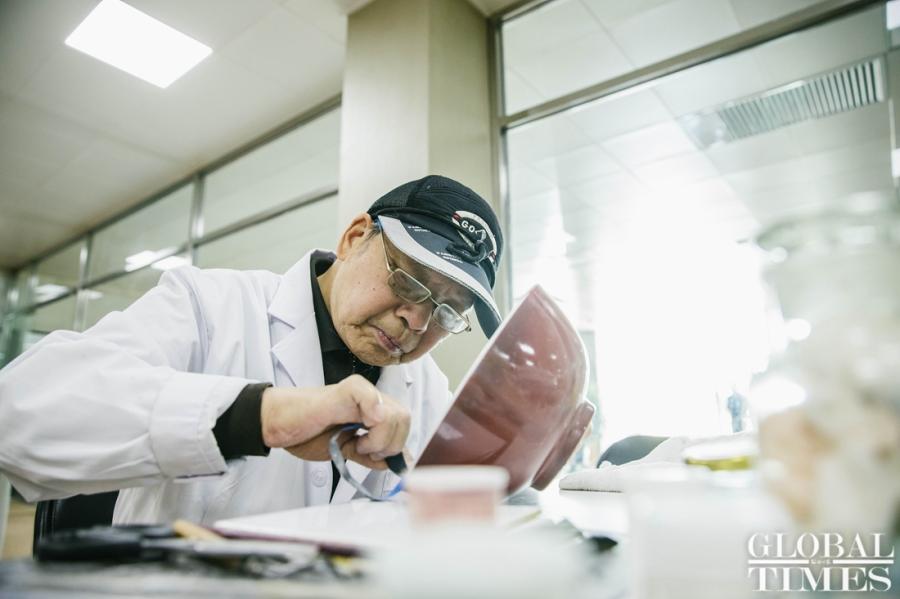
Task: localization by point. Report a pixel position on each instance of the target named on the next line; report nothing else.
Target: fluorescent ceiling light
(128, 39)
(143, 258)
(48, 291)
(170, 262)
(895, 163)
(893, 14)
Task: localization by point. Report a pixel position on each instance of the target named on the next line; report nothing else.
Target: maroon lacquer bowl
(522, 404)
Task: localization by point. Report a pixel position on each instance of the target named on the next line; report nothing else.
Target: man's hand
(303, 420)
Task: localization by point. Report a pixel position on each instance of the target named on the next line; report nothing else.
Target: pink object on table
(522, 404)
(439, 494)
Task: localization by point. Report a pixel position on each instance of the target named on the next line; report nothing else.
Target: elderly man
(215, 394)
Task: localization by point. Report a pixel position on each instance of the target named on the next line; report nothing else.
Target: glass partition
(635, 210)
(21, 293)
(275, 244)
(300, 162)
(27, 328)
(120, 292)
(130, 253)
(55, 315)
(58, 273)
(567, 45)
(143, 236)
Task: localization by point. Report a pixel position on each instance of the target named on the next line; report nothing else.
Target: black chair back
(78, 511)
(629, 449)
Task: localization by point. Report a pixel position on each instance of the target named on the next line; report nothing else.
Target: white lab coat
(131, 402)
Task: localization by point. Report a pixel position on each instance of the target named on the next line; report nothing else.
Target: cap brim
(430, 250)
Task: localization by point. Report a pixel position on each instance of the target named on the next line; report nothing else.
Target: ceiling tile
(31, 32)
(192, 120)
(540, 139)
(25, 237)
(18, 199)
(673, 28)
(711, 84)
(210, 22)
(649, 144)
(519, 94)
(95, 96)
(709, 199)
(83, 140)
(613, 12)
(751, 13)
(283, 48)
(813, 172)
(620, 192)
(120, 165)
(34, 136)
(547, 27)
(618, 114)
(824, 48)
(19, 168)
(675, 171)
(543, 208)
(325, 16)
(753, 152)
(578, 165)
(842, 129)
(574, 65)
(800, 198)
(525, 181)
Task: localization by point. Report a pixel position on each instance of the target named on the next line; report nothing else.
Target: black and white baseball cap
(442, 224)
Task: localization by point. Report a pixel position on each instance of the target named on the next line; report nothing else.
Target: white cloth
(608, 477)
(130, 403)
(612, 478)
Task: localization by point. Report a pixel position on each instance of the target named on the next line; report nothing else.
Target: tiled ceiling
(81, 141)
(567, 45)
(585, 178)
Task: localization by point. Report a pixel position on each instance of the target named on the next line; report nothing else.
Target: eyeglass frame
(430, 296)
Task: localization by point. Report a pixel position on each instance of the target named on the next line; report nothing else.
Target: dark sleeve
(238, 430)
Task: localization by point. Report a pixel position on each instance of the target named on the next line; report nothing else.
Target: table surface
(600, 512)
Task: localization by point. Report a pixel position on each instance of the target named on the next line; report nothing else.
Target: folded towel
(611, 478)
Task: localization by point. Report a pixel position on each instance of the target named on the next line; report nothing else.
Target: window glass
(121, 292)
(7, 283)
(21, 330)
(56, 315)
(568, 45)
(635, 211)
(17, 336)
(141, 237)
(299, 162)
(275, 244)
(58, 273)
(20, 295)
(6, 286)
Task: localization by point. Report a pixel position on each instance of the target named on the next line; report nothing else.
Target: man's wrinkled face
(376, 325)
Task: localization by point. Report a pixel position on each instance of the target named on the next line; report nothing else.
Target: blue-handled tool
(395, 463)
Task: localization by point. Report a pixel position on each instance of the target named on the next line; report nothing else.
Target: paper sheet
(359, 524)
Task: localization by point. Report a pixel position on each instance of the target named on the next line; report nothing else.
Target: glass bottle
(828, 405)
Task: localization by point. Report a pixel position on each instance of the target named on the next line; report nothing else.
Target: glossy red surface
(522, 405)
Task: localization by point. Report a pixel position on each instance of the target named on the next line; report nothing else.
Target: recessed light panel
(126, 38)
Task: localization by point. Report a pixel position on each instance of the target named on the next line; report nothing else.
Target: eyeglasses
(407, 288)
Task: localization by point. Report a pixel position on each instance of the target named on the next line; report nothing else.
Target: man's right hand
(303, 420)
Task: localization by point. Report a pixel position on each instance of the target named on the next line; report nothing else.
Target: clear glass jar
(828, 405)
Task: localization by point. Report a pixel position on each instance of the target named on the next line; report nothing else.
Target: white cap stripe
(400, 237)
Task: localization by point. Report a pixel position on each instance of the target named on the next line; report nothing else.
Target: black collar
(329, 340)
(338, 362)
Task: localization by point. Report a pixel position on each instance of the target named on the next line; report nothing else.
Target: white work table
(598, 512)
